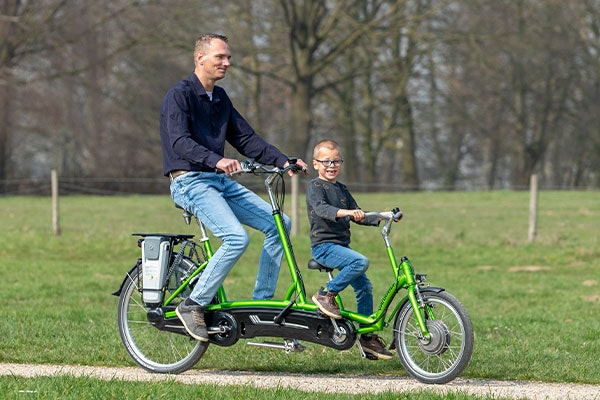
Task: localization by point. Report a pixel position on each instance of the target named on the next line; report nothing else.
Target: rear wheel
(446, 354)
(153, 349)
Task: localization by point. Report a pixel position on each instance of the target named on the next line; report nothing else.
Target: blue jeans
(352, 266)
(223, 205)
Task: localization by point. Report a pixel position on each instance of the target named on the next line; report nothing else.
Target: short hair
(203, 42)
(327, 143)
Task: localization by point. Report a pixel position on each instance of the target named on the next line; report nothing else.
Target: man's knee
(272, 228)
(238, 240)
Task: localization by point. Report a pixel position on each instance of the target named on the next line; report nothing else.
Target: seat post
(314, 265)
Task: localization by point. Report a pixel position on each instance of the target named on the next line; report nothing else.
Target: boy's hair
(327, 143)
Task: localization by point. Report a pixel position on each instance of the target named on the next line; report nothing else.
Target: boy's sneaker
(376, 347)
(191, 315)
(327, 304)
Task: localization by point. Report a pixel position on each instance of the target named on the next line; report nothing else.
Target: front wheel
(446, 354)
(153, 349)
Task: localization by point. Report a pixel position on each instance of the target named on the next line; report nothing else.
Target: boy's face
(328, 164)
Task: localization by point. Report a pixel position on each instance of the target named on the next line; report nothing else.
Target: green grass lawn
(534, 306)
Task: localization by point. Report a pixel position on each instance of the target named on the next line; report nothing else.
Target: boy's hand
(357, 215)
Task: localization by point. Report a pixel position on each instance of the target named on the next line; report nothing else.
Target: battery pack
(156, 251)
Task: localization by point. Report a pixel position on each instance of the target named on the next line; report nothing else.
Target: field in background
(534, 306)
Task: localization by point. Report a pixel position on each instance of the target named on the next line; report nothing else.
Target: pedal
(294, 346)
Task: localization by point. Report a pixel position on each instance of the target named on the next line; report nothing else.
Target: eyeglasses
(329, 163)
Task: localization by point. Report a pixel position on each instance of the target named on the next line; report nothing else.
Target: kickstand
(364, 354)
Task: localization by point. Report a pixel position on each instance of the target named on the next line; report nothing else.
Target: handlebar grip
(295, 167)
(397, 214)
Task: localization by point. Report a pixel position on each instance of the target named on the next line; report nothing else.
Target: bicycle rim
(152, 349)
(447, 354)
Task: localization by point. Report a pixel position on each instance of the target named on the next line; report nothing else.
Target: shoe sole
(378, 355)
(198, 338)
(324, 311)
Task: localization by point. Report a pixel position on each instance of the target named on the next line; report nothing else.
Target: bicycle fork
(414, 296)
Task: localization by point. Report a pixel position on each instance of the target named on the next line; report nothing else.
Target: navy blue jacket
(194, 129)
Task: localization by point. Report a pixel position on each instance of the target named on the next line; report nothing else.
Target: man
(196, 119)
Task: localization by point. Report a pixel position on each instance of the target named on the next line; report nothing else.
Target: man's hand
(300, 163)
(228, 165)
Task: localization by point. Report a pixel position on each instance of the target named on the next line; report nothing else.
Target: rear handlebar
(252, 167)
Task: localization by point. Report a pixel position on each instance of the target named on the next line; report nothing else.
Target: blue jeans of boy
(352, 266)
(224, 205)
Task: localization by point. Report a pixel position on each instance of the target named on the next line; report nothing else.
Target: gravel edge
(320, 383)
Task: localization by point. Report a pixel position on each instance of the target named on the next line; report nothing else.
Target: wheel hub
(440, 338)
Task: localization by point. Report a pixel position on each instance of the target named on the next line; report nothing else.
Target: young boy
(330, 208)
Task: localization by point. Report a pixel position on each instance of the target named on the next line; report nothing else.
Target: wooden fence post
(533, 206)
(55, 219)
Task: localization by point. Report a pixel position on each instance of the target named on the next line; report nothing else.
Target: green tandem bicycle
(432, 333)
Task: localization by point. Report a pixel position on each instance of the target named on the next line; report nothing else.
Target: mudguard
(127, 276)
(426, 289)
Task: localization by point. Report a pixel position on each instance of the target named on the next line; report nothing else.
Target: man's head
(211, 58)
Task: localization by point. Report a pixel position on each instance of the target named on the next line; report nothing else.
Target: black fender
(432, 289)
(127, 276)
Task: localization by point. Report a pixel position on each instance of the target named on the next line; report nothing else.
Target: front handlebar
(395, 214)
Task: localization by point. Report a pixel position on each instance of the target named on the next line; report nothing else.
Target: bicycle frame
(295, 295)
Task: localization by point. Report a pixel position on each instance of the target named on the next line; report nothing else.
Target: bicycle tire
(448, 353)
(152, 349)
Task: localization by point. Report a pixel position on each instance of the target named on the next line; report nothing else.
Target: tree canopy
(420, 94)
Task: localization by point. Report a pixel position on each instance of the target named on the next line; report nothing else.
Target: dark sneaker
(376, 347)
(327, 304)
(192, 317)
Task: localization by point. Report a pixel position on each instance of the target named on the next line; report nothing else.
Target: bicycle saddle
(313, 264)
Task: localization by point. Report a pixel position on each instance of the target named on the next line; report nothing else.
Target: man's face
(214, 63)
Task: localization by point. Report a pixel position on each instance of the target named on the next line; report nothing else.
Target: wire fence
(129, 186)
(132, 186)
